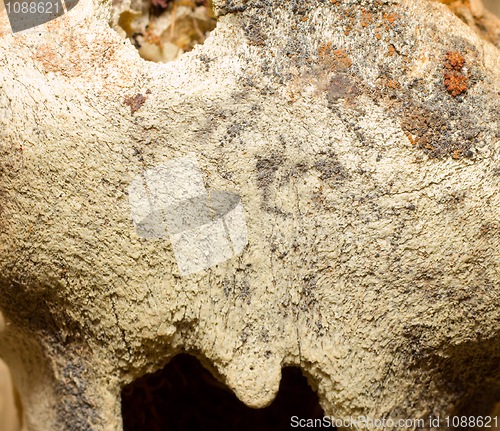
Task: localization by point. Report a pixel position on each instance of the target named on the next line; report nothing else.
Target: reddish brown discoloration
(454, 61)
(332, 59)
(455, 83)
(97, 60)
(135, 102)
(454, 80)
(428, 131)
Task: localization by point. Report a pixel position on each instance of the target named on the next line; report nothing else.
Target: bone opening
(184, 395)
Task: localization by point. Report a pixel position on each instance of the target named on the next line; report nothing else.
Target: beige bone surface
(370, 194)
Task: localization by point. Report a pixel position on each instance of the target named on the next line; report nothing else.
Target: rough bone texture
(370, 193)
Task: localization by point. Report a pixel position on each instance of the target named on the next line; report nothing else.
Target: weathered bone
(362, 139)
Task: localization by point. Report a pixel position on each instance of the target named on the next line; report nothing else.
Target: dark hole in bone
(185, 396)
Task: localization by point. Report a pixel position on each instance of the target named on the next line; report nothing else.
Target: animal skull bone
(370, 197)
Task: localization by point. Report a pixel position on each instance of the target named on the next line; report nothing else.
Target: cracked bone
(370, 191)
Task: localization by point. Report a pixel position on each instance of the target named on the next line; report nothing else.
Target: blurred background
(491, 5)
(9, 414)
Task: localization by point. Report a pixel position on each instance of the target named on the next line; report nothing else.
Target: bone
(349, 155)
